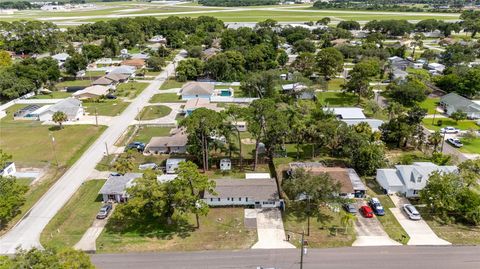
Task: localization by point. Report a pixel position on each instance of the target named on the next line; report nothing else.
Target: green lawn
(326, 230)
(462, 124)
(166, 98)
(430, 104)
(53, 95)
(73, 220)
(338, 99)
(145, 133)
(130, 89)
(471, 146)
(89, 74)
(171, 83)
(84, 82)
(154, 112)
(335, 84)
(152, 73)
(106, 108)
(222, 229)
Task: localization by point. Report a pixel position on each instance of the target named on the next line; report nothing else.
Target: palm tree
(418, 42)
(59, 117)
(347, 220)
(435, 139)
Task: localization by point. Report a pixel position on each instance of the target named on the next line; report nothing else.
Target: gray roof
(460, 103)
(357, 183)
(61, 56)
(69, 106)
(118, 184)
(391, 176)
(254, 189)
(415, 176)
(198, 88)
(124, 69)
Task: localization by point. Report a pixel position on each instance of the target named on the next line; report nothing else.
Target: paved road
(334, 258)
(26, 233)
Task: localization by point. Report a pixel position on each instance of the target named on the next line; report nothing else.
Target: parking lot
(370, 231)
(419, 231)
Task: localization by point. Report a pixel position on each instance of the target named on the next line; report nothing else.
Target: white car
(455, 142)
(449, 130)
(411, 212)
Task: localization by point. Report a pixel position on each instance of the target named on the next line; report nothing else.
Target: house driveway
(88, 241)
(419, 231)
(270, 231)
(370, 231)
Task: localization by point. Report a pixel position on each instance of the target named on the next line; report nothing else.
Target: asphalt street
(26, 233)
(400, 257)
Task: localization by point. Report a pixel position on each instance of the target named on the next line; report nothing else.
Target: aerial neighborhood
(310, 125)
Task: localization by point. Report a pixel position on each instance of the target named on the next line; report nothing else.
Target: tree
(189, 186)
(282, 58)
(50, 258)
(305, 63)
(304, 45)
(458, 115)
(124, 163)
(59, 117)
(408, 93)
(227, 66)
(368, 158)
(349, 25)
(92, 52)
(417, 42)
(324, 21)
(320, 188)
(155, 63)
(470, 172)
(189, 69)
(361, 75)
(347, 220)
(5, 58)
(260, 84)
(471, 21)
(75, 63)
(435, 139)
(12, 198)
(329, 62)
(234, 114)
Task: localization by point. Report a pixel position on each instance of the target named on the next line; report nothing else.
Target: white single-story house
(123, 69)
(176, 143)
(436, 67)
(194, 89)
(158, 39)
(225, 164)
(241, 126)
(453, 102)
(115, 187)
(258, 193)
(172, 164)
(95, 91)
(71, 107)
(61, 58)
(353, 116)
(8, 170)
(351, 184)
(409, 179)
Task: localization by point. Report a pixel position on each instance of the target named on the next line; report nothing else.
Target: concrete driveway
(88, 241)
(419, 231)
(270, 231)
(370, 231)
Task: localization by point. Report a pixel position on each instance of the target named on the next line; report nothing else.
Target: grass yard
(222, 229)
(171, 83)
(166, 98)
(89, 74)
(326, 231)
(472, 146)
(462, 124)
(106, 108)
(53, 95)
(430, 104)
(145, 133)
(73, 220)
(335, 84)
(154, 112)
(152, 73)
(338, 99)
(70, 83)
(130, 89)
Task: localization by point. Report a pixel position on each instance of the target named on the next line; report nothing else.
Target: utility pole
(434, 114)
(53, 149)
(106, 148)
(301, 249)
(308, 215)
(96, 117)
(443, 141)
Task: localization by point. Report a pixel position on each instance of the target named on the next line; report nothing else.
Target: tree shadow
(54, 128)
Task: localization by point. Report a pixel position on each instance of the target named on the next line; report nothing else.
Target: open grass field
(70, 83)
(154, 112)
(462, 124)
(166, 98)
(53, 95)
(145, 133)
(430, 105)
(472, 146)
(130, 89)
(106, 108)
(171, 83)
(338, 99)
(222, 229)
(71, 222)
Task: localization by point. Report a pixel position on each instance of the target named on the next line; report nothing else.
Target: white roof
(347, 112)
(374, 123)
(61, 56)
(257, 175)
(94, 90)
(166, 178)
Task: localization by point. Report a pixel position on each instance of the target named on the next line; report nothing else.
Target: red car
(366, 211)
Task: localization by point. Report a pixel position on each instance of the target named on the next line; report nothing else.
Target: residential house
(176, 143)
(137, 63)
(111, 80)
(172, 164)
(92, 92)
(398, 63)
(158, 39)
(209, 53)
(398, 74)
(196, 103)
(195, 89)
(350, 183)
(453, 102)
(115, 187)
(409, 180)
(142, 56)
(27, 113)
(353, 116)
(435, 68)
(71, 107)
(258, 193)
(8, 170)
(123, 69)
(225, 164)
(61, 58)
(241, 126)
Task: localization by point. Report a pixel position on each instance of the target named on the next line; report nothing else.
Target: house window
(240, 199)
(415, 192)
(228, 198)
(246, 199)
(211, 199)
(219, 199)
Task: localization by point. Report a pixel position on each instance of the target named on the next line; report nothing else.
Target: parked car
(136, 145)
(146, 166)
(350, 208)
(114, 174)
(376, 206)
(411, 212)
(449, 130)
(366, 211)
(455, 142)
(110, 96)
(104, 211)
